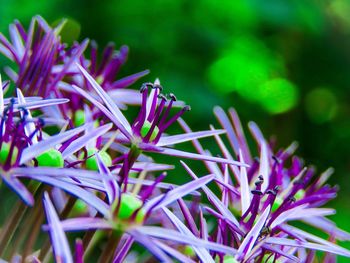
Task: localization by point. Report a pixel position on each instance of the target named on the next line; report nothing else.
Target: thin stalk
(110, 248)
(63, 215)
(15, 218)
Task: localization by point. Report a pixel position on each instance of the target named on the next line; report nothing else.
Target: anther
(270, 191)
(162, 96)
(276, 159)
(172, 96)
(187, 108)
(292, 199)
(256, 192)
(158, 86)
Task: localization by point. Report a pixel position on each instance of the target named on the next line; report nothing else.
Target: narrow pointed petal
(84, 223)
(1, 97)
(29, 127)
(129, 80)
(253, 235)
(174, 253)
(317, 239)
(79, 192)
(20, 189)
(42, 146)
(106, 99)
(90, 134)
(226, 124)
(179, 192)
(195, 156)
(213, 198)
(40, 103)
(148, 243)
(202, 253)
(301, 213)
(332, 248)
(264, 166)
(79, 251)
(175, 139)
(172, 235)
(112, 188)
(59, 240)
(108, 113)
(244, 187)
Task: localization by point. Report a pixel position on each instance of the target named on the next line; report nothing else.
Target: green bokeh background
(282, 63)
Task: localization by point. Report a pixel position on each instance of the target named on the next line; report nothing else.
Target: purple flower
(257, 203)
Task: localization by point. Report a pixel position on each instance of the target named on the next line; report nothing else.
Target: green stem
(14, 219)
(63, 215)
(110, 248)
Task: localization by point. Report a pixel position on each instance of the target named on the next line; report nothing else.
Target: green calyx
(50, 158)
(146, 128)
(91, 163)
(278, 201)
(129, 204)
(227, 259)
(79, 119)
(189, 251)
(5, 151)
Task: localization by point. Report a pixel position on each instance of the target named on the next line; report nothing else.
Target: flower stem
(110, 248)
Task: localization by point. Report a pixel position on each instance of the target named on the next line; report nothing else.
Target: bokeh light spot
(278, 95)
(321, 105)
(245, 66)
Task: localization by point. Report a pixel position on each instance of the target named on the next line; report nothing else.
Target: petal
(112, 188)
(107, 100)
(171, 140)
(90, 134)
(20, 189)
(42, 146)
(59, 240)
(179, 192)
(84, 224)
(202, 253)
(195, 156)
(172, 235)
(252, 236)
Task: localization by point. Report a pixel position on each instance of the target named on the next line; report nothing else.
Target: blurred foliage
(283, 64)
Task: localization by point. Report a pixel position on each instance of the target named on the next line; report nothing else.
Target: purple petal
(301, 212)
(109, 114)
(196, 156)
(148, 243)
(42, 146)
(129, 80)
(331, 248)
(202, 253)
(20, 189)
(244, 187)
(40, 103)
(84, 223)
(172, 235)
(212, 197)
(112, 188)
(226, 124)
(107, 100)
(264, 166)
(253, 235)
(171, 140)
(79, 251)
(59, 240)
(179, 192)
(174, 253)
(81, 193)
(90, 134)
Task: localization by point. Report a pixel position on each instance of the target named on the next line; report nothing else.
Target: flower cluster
(72, 156)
